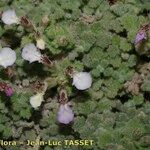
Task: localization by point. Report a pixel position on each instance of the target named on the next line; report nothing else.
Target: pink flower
(65, 114)
(141, 35)
(9, 91)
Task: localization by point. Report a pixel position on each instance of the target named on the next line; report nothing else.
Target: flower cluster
(31, 53)
(82, 81)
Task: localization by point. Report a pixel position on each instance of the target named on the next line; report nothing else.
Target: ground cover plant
(74, 70)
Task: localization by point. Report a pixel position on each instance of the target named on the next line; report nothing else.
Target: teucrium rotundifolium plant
(31, 53)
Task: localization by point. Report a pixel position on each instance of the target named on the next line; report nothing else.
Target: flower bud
(40, 43)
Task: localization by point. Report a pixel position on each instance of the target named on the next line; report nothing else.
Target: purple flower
(9, 91)
(65, 114)
(141, 35)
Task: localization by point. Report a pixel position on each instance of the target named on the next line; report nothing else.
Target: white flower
(65, 114)
(7, 57)
(82, 80)
(40, 44)
(36, 100)
(31, 53)
(9, 17)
